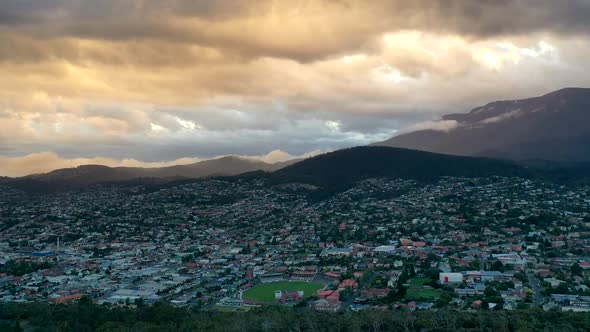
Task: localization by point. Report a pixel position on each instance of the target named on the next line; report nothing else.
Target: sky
(160, 82)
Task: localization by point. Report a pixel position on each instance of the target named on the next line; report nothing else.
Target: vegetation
(337, 171)
(85, 316)
(19, 268)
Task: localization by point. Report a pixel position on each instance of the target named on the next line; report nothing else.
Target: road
(536, 286)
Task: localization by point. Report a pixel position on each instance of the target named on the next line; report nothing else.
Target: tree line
(87, 316)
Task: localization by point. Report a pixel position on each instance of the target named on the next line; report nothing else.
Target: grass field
(419, 282)
(266, 292)
(416, 294)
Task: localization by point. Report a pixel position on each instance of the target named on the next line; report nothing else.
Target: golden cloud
(78, 73)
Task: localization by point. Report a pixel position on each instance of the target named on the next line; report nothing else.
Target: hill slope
(553, 127)
(341, 168)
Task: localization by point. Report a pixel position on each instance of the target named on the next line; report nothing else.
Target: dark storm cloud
(316, 29)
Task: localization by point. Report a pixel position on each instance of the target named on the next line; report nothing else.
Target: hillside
(341, 168)
(553, 127)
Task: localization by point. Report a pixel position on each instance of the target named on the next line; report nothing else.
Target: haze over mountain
(553, 127)
(85, 175)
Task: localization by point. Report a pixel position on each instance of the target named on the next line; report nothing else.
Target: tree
(346, 294)
(490, 291)
(443, 300)
(139, 302)
(164, 317)
(520, 276)
(498, 266)
(17, 327)
(561, 289)
(84, 300)
(576, 269)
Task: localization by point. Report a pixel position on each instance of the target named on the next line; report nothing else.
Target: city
(294, 166)
(384, 244)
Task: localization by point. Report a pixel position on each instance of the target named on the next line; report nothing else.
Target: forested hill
(350, 165)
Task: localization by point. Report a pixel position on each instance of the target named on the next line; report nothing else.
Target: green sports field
(266, 292)
(417, 294)
(418, 282)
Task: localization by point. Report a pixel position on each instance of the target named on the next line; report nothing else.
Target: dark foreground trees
(86, 316)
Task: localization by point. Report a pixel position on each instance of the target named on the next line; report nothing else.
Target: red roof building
(375, 292)
(349, 283)
(332, 275)
(335, 296)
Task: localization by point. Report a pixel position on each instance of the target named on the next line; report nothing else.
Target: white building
(450, 278)
(385, 249)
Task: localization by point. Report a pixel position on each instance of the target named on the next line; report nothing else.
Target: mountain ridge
(553, 127)
(85, 175)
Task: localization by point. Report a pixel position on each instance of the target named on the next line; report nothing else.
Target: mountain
(338, 170)
(89, 174)
(78, 177)
(553, 127)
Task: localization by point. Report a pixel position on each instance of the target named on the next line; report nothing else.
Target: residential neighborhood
(234, 244)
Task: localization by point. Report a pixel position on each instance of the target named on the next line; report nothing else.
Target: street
(536, 286)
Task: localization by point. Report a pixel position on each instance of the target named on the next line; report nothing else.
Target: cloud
(502, 117)
(161, 80)
(503, 53)
(277, 156)
(441, 125)
(302, 30)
